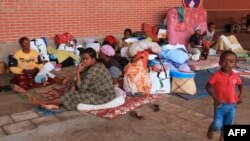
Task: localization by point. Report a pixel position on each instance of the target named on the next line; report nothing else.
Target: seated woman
(106, 55)
(25, 64)
(94, 85)
(197, 49)
(229, 43)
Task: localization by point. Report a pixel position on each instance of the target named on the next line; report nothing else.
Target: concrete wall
(221, 11)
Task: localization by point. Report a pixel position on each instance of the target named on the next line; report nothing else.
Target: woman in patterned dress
(93, 83)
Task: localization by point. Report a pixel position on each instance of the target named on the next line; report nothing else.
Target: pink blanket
(130, 104)
(181, 32)
(211, 62)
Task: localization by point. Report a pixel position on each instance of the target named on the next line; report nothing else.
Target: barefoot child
(221, 87)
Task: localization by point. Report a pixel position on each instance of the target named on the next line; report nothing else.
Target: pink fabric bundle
(108, 50)
(181, 32)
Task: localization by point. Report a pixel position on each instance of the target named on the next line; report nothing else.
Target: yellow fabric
(62, 55)
(227, 43)
(25, 61)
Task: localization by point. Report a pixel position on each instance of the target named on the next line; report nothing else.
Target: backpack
(63, 38)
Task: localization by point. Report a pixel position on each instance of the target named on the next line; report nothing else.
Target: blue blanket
(201, 79)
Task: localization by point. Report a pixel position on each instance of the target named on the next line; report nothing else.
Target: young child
(127, 33)
(221, 87)
(199, 51)
(210, 36)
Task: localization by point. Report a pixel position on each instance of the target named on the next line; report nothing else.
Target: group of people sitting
(93, 83)
(97, 74)
(210, 43)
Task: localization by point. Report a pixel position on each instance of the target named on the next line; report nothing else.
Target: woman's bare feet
(63, 81)
(50, 106)
(18, 89)
(59, 91)
(35, 101)
(66, 80)
(45, 83)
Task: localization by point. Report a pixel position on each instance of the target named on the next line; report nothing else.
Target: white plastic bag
(160, 82)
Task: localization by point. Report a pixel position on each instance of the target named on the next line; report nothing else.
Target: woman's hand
(30, 71)
(33, 71)
(81, 67)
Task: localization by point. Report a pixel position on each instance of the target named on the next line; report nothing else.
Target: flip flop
(156, 107)
(134, 114)
(1, 88)
(5, 88)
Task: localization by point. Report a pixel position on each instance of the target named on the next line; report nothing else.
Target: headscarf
(108, 50)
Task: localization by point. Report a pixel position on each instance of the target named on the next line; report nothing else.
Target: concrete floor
(178, 120)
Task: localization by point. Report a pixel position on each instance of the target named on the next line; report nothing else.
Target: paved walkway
(177, 120)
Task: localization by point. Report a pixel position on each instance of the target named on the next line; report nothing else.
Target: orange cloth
(136, 74)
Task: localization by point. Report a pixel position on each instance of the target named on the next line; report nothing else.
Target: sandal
(156, 107)
(5, 88)
(134, 114)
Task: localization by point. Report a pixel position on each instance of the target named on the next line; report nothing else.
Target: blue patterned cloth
(45, 112)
